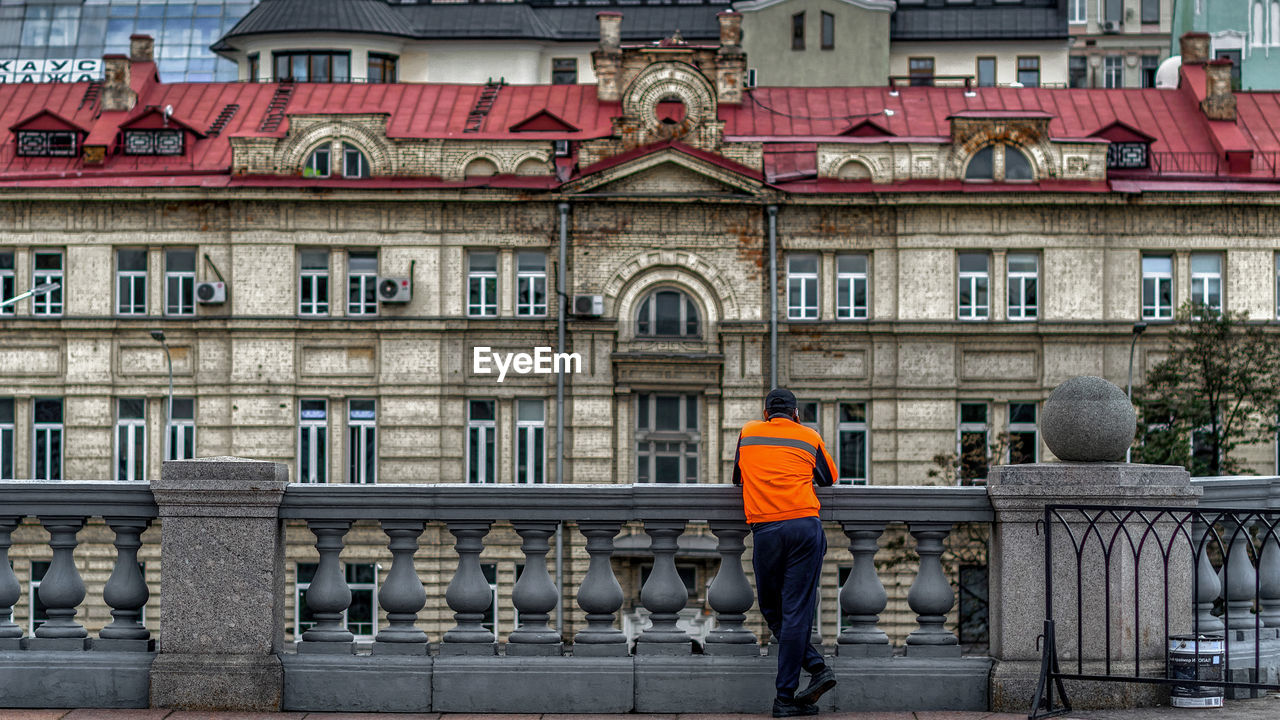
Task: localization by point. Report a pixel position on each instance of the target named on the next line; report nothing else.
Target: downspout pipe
(562, 298)
(772, 210)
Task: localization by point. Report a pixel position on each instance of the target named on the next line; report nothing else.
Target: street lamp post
(158, 335)
(43, 289)
(1138, 327)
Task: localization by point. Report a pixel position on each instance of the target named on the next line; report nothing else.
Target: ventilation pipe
(561, 298)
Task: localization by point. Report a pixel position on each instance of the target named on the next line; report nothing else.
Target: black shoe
(821, 682)
(792, 708)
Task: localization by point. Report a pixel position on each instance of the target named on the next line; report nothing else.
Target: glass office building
(46, 40)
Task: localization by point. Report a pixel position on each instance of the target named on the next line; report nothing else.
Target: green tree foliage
(1221, 382)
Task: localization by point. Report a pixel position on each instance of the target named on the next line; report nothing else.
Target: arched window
(1259, 24)
(1275, 22)
(480, 167)
(354, 163)
(999, 163)
(667, 313)
(317, 165)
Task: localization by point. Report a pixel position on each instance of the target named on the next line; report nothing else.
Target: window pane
(483, 262)
(1022, 263)
(1157, 265)
(133, 260)
(851, 264)
(668, 415)
(48, 411)
(531, 262)
(853, 412)
(691, 412)
(132, 408)
(481, 410)
(973, 262)
(1022, 413)
(668, 309)
(315, 259)
(180, 261)
(529, 410)
(1206, 263)
(981, 166)
(973, 413)
(363, 263)
(802, 264)
(1016, 165)
(184, 409)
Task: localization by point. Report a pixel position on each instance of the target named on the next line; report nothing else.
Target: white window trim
(130, 278)
(527, 430)
(7, 448)
(180, 277)
(9, 275)
(134, 453)
(488, 306)
(853, 311)
(685, 437)
(1205, 279)
(1021, 276)
(44, 427)
(364, 280)
(843, 427)
(319, 470)
(1077, 12)
(1158, 311)
(44, 304)
(1113, 71)
(484, 430)
(361, 432)
(177, 428)
(809, 308)
(319, 307)
(532, 308)
(975, 312)
(362, 164)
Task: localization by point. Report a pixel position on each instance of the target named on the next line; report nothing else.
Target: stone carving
(1087, 419)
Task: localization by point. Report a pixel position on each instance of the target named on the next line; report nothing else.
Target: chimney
(607, 60)
(1195, 48)
(1219, 102)
(117, 90)
(731, 61)
(141, 48)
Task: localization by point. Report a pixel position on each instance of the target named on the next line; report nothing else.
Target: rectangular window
(313, 444)
(920, 71)
(851, 287)
(1113, 71)
(313, 283)
(482, 464)
(828, 31)
(802, 287)
(362, 283)
(1151, 11)
(46, 452)
(810, 411)
(47, 143)
(490, 621)
(564, 71)
(48, 270)
(667, 438)
(6, 439)
(131, 282)
(1029, 71)
(181, 437)
(1127, 156)
(131, 439)
(1157, 287)
(253, 67)
(1150, 64)
(362, 442)
(986, 72)
(180, 282)
(1113, 13)
(482, 284)
(312, 66)
(797, 31)
(8, 282)
(974, 282)
(1024, 274)
(1077, 71)
(1024, 446)
(39, 612)
(531, 284)
(382, 68)
(971, 444)
(853, 443)
(1206, 280)
(360, 617)
(1076, 11)
(153, 142)
(530, 434)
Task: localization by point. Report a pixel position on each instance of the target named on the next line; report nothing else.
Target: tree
(1218, 390)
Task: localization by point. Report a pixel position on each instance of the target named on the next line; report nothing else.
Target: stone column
(222, 548)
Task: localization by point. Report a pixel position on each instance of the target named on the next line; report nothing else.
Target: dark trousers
(787, 557)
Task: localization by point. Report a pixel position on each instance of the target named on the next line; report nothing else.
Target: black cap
(779, 399)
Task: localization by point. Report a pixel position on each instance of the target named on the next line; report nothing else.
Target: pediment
(666, 172)
(543, 121)
(46, 120)
(867, 128)
(1120, 132)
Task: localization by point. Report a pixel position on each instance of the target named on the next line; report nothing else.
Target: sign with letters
(67, 70)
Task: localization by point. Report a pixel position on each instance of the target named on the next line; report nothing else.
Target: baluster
(10, 590)
(664, 594)
(1238, 577)
(61, 590)
(600, 595)
(1208, 584)
(468, 594)
(328, 597)
(126, 590)
(1268, 572)
(930, 595)
(863, 598)
(534, 594)
(402, 594)
(730, 594)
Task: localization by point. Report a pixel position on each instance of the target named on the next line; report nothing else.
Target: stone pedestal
(1019, 494)
(222, 548)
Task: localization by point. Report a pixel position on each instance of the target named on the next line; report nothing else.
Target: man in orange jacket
(777, 463)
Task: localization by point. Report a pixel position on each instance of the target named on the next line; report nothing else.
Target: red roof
(788, 121)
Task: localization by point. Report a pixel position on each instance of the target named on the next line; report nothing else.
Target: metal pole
(1137, 331)
(773, 296)
(37, 290)
(560, 343)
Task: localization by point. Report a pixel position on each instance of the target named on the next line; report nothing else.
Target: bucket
(1192, 658)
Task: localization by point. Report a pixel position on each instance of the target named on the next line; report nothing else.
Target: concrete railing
(1240, 491)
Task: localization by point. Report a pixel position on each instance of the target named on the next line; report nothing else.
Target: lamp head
(157, 335)
(1138, 327)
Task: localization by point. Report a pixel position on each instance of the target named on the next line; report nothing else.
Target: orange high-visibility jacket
(777, 462)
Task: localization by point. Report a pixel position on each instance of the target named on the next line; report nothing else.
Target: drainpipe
(562, 299)
(773, 295)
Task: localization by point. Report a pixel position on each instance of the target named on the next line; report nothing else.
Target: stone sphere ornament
(1087, 419)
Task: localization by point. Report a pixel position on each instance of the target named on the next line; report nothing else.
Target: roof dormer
(156, 131)
(47, 134)
(1128, 148)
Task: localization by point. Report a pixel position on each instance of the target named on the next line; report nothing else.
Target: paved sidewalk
(1267, 708)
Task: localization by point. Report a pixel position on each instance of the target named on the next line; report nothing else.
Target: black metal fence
(1121, 581)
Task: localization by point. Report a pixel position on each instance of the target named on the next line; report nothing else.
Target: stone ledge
(61, 679)
(223, 682)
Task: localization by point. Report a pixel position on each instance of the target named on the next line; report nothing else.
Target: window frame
(648, 305)
(1112, 71)
(924, 74)
(561, 68)
(180, 431)
(797, 31)
(482, 433)
(38, 428)
(853, 427)
(1026, 312)
(1205, 279)
(53, 143)
(828, 31)
(130, 443)
(311, 55)
(979, 283)
(132, 279)
(852, 310)
(687, 437)
(49, 304)
(149, 142)
(364, 285)
(1077, 12)
(807, 279)
(8, 436)
(9, 282)
(486, 281)
(1023, 429)
(1027, 60)
(362, 171)
(531, 442)
(309, 166)
(973, 428)
(186, 282)
(386, 62)
(315, 279)
(531, 307)
(1154, 311)
(995, 71)
(362, 461)
(313, 443)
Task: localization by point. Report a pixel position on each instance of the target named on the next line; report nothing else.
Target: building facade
(1117, 43)
(1246, 32)
(347, 276)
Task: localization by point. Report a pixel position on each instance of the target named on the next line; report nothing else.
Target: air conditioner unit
(394, 290)
(1111, 27)
(211, 293)
(588, 305)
